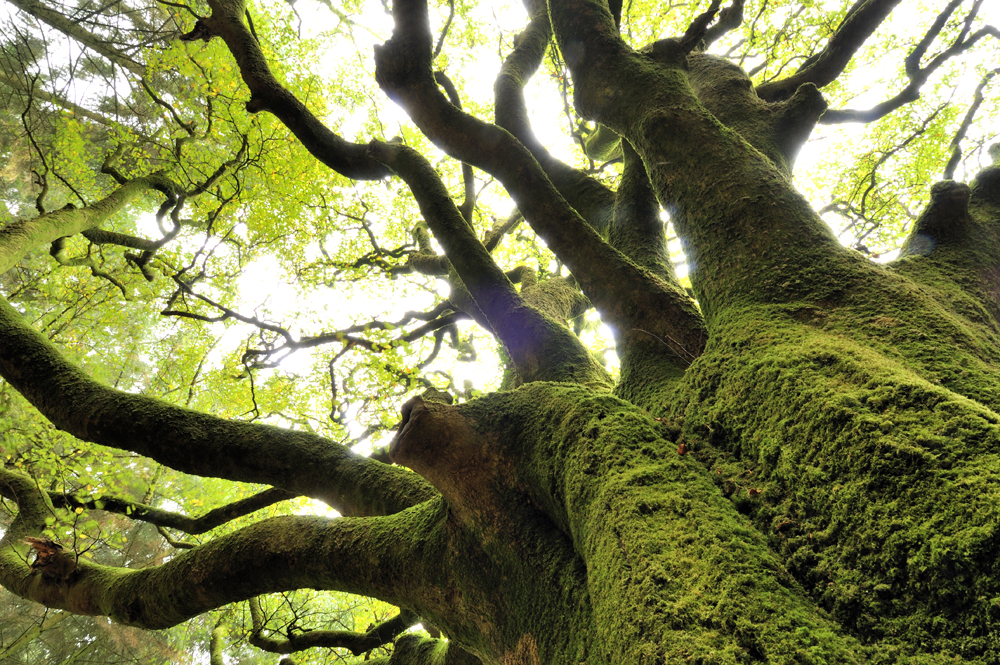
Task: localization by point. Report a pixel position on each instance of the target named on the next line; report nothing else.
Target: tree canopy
(575, 331)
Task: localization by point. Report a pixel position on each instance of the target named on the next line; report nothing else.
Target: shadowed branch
(278, 554)
(821, 69)
(195, 442)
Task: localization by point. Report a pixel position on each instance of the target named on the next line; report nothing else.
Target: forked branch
(919, 74)
(267, 94)
(821, 69)
(623, 292)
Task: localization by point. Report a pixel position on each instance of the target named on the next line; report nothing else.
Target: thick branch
(278, 554)
(821, 69)
(586, 195)
(194, 442)
(542, 349)
(637, 231)
(416, 650)
(23, 235)
(267, 94)
(730, 204)
(625, 294)
(216, 645)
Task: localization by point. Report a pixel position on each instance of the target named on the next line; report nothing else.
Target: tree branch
(277, 554)
(589, 197)
(918, 75)
(21, 236)
(266, 94)
(730, 18)
(164, 518)
(355, 642)
(690, 160)
(194, 442)
(541, 349)
(416, 650)
(72, 29)
(956, 142)
(821, 69)
(624, 293)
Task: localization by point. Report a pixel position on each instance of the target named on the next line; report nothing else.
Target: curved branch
(21, 236)
(696, 31)
(623, 292)
(730, 18)
(355, 642)
(956, 141)
(917, 75)
(542, 350)
(585, 194)
(712, 182)
(278, 554)
(821, 69)
(168, 519)
(267, 94)
(194, 442)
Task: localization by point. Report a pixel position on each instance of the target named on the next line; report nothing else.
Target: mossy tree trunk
(803, 467)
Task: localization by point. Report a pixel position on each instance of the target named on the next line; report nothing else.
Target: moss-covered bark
(24, 235)
(651, 562)
(801, 468)
(877, 486)
(195, 442)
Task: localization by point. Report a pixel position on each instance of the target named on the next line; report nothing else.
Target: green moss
(673, 572)
(880, 488)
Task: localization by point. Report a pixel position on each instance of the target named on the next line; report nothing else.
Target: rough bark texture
(801, 467)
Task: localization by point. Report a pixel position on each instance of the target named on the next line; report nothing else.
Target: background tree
(778, 450)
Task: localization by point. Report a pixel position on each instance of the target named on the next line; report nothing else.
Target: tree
(795, 461)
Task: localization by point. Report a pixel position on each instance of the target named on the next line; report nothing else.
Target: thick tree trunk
(818, 483)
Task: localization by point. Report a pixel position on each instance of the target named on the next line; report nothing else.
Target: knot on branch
(200, 31)
(437, 441)
(945, 219)
(51, 560)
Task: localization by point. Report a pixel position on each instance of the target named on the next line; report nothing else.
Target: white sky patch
(146, 226)
(171, 506)
(314, 507)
